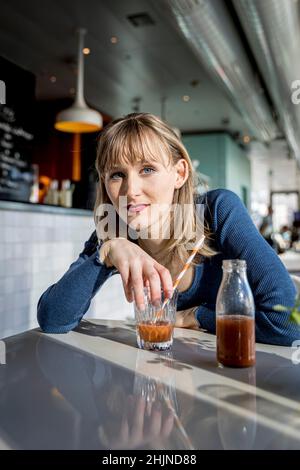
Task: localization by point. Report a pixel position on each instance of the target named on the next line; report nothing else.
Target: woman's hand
(137, 269)
(186, 319)
(141, 423)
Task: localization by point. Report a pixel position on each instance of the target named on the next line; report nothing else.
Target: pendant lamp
(79, 118)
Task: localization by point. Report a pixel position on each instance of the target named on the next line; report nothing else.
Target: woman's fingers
(167, 424)
(155, 420)
(125, 275)
(152, 275)
(154, 283)
(136, 279)
(137, 430)
(137, 270)
(137, 273)
(166, 279)
(124, 431)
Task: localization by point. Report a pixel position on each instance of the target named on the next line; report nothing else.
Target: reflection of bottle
(237, 424)
(235, 317)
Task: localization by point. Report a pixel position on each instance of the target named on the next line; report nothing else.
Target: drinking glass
(155, 325)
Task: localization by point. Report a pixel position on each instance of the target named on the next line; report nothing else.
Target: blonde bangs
(140, 145)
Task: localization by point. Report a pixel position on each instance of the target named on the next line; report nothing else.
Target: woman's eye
(148, 169)
(116, 175)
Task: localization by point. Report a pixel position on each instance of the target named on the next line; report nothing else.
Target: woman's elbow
(48, 326)
(47, 319)
(280, 333)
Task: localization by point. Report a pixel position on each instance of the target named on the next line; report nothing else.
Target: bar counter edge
(44, 208)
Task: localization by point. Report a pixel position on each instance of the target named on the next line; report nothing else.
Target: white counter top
(93, 389)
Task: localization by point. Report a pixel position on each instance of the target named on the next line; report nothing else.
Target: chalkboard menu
(16, 135)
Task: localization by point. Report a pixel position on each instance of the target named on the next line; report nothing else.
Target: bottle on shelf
(52, 196)
(34, 192)
(66, 193)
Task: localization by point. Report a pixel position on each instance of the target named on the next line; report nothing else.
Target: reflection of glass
(155, 383)
(154, 325)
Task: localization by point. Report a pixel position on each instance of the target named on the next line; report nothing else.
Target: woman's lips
(137, 208)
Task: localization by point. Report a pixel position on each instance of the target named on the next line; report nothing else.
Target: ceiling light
(114, 39)
(79, 118)
(186, 98)
(53, 79)
(86, 50)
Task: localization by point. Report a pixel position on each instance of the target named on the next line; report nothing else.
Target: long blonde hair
(143, 137)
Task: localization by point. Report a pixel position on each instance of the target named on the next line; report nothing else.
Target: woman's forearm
(63, 304)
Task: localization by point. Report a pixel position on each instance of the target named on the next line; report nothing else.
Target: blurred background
(224, 74)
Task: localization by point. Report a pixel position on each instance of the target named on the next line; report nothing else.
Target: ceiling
(147, 62)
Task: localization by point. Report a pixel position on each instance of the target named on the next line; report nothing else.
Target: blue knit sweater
(63, 304)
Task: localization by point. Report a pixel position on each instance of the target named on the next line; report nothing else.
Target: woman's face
(147, 189)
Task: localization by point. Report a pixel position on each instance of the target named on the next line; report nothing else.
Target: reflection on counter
(55, 396)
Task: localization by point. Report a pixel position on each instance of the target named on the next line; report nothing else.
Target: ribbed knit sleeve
(62, 305)
(237, 237)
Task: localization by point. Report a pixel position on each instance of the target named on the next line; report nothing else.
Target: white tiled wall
(35, 250)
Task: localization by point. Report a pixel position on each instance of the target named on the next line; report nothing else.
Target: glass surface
(92, 389)
(155, 325)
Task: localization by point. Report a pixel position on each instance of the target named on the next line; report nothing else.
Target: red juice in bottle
(236, 340)
(235, 317)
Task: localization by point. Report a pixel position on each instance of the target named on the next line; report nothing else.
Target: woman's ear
(182, 173)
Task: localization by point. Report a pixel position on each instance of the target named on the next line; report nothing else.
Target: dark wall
(53, 151)
(28, 136)
(16, 132)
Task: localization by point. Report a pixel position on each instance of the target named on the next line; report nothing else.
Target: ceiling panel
(147, 62)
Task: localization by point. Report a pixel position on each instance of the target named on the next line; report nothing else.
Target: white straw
(185, 268)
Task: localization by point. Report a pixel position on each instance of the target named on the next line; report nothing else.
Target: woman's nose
(133, 185)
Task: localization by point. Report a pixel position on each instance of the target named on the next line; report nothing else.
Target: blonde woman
(146, 178)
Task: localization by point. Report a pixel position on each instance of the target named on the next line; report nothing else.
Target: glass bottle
(235, 317)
